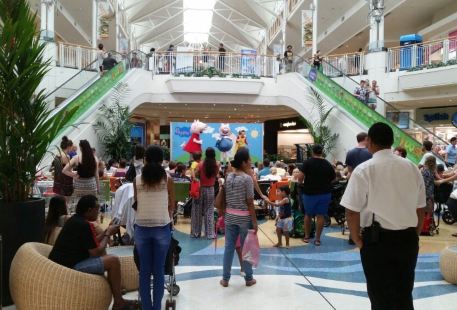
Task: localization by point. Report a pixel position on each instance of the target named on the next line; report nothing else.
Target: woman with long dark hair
(153, 192)
(239, 213)
(85, 179)
(207, 173)
(63, 184)
(57, 216)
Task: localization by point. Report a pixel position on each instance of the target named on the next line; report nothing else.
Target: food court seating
(40, 284)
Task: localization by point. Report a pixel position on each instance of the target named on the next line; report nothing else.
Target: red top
(205, 181)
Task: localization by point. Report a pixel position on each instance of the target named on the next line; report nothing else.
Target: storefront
(440, 121)
(282, 135)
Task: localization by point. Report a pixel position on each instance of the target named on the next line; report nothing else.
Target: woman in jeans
(240, 213)
(207, 173)
(153, 191)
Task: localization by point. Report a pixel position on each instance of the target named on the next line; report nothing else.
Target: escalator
(85, 101)
(359, 112)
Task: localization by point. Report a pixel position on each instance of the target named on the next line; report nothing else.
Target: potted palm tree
(318, 128)
(26, 130)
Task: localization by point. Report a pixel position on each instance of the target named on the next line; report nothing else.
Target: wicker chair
(38, 283)
(129, 273)
(448, 264)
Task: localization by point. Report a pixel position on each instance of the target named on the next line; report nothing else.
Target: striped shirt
(152, 208)
(238, 189)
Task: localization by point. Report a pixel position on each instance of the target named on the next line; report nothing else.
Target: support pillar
(375, 63)
(94, 23)
(315, 20)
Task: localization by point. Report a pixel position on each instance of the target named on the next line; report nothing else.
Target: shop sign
(288, 124)
(438, 116)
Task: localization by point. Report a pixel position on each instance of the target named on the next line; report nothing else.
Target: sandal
(306, 240)
(317, 242)
(454, 235)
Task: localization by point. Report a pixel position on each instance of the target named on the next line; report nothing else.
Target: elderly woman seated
(273, 176)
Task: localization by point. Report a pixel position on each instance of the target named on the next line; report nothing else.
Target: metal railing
(195, 63)
(349, 64)
(75, 56)
(421, 54)
(275, 27)
(341, 93)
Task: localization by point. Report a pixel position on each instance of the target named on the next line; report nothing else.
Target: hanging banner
(105, 15)
(307, 28)
(248, 61)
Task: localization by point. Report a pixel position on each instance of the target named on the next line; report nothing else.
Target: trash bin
(407, 52)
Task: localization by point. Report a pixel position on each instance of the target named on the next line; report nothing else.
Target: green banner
(364, 114)
(84, 101)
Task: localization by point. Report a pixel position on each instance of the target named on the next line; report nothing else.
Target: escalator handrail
(71, 78)
(385, 102)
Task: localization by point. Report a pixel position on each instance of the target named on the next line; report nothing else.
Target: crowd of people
(381, 219)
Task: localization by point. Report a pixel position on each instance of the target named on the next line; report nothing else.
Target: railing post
(60, 58)
(414, 56)
(362, 63)
(78, 57)
(388, 60)
(445, 51)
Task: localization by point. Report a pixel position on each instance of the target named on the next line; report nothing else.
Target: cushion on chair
(38, 283)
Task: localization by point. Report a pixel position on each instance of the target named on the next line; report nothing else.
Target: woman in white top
(153, 191)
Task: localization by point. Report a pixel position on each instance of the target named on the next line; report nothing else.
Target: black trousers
(389, 266)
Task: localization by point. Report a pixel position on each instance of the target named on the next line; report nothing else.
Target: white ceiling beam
(229, 35)
(257, 24)
(252, 40)
(253, 3)
(147, 14)
(172, 41)
(147, 33)
(226, 45)
(65, 13)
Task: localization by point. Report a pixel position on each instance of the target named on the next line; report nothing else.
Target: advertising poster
(307, 28)
(223, 135)
(248, 59)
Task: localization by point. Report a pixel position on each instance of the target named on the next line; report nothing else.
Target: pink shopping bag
(251, 248)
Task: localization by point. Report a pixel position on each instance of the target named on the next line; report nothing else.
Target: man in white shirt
(386, 197)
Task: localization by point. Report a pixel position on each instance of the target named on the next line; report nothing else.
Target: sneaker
(224, 283)
(251, 282)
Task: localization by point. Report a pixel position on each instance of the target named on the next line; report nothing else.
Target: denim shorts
(92, 265)
(285, 224)
(316, 204)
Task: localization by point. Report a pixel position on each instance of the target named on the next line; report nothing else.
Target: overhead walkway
(349, 117)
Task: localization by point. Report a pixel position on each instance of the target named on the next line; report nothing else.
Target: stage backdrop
(180, 133)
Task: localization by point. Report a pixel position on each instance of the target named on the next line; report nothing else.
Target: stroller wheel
(272, 214)
(448, 218)
(176, 290)
(340, 219)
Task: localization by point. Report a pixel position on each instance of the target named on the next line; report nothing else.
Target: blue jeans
(152, 244)
(231, 234)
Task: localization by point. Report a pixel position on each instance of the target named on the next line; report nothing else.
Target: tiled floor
(304, 276)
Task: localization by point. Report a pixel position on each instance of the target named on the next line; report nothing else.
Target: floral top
(429, 180)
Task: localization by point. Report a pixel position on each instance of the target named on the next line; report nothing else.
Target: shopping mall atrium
(278, 77)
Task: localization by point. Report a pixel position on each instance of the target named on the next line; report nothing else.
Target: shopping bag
(251, 248)
(195, 189)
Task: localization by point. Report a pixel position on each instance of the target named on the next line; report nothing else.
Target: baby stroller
(171, 261)
(441, 196)
(335, 210)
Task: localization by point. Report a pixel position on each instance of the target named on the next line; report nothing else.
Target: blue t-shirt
(264, 172)
(357, 156)
(451, 151)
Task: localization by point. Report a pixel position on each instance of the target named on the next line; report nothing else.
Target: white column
(47, 20)
(94, 23)
(315, 19)
(283, 26)
(376, 15)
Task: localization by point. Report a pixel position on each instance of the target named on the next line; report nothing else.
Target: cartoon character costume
(224, 142)
(194, 144)
(241, 141)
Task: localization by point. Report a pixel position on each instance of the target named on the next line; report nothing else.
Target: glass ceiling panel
(198, 16)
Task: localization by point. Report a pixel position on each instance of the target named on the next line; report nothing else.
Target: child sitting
(284, 218)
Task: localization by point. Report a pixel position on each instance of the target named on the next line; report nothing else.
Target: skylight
(198, 15)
